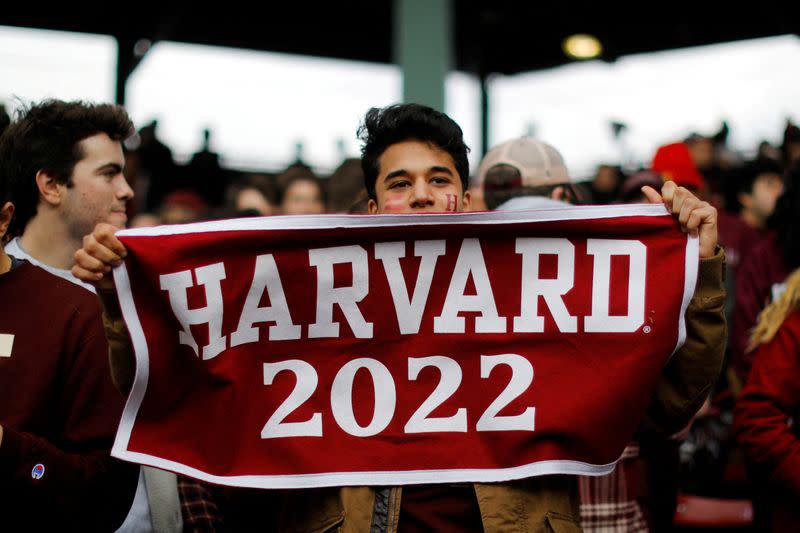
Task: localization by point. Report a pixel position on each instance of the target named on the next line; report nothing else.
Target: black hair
(257, 182)
(394, 124)
(791, 135)
(785, 220)
(751, 171)
(4, 197)
(46, 137)
(745, 177)
(5, 120)
(5, 192)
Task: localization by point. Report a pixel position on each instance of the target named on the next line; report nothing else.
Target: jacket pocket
(311, 511)
(561, 523)
(331, 525)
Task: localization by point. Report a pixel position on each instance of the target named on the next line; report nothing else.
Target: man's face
(417, 177)
(99, 191)
(766, 190)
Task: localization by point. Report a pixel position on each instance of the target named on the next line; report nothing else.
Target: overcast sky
(260, 105)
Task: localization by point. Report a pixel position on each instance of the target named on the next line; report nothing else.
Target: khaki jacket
(544, 503)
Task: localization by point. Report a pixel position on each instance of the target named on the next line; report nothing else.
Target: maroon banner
(290, 352)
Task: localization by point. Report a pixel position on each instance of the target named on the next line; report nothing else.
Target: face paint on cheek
(452, 202)
(394, 205)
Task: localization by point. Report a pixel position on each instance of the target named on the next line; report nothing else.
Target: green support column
(423, 49)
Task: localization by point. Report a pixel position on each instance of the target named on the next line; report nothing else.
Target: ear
(372, 207)
(6, 212)
(50, 190)
(744, 198)
(466, 201)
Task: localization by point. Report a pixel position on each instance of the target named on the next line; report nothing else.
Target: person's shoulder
(767, 245)
(763, 252)
(726, 219)
(786, 338)
(792, 322)
(726, 216)
(54, 288)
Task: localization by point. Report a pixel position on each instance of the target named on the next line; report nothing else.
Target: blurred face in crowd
(702, 151)
(418, 177)
(144, 220)
(303, 197)
(253, 199)
(760, 203)
(793, 152)
(606, 179)
(181, 207)
(98, 191)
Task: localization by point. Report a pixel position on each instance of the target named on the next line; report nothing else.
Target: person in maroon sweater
(58, 407)
(759, 184)
(762, 272)
(766, 412)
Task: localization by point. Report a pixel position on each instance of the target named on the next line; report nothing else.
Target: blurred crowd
(202, 189)
(755, 229)
(712, 474)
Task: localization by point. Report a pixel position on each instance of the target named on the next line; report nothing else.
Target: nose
(421, 194)
(124, 191)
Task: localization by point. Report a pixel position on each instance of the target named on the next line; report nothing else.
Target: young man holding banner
(58, 408)
(414, 160)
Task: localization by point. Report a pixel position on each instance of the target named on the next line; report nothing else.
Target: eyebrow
(109, 166)
(442, 169)
(404, 172)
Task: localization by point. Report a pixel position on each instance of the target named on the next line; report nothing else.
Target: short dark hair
(5, 192)
(750, 172)
(383, 127)
(4, 196)
(5, 120)
(258, 182)
(785, 220)
(46, 137)
(745, 177)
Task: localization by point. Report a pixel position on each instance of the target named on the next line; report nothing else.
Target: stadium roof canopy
(491, 36)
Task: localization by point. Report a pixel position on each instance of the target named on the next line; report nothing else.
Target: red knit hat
(674, 163)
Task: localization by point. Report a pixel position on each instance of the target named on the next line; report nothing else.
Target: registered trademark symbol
(647, 329)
